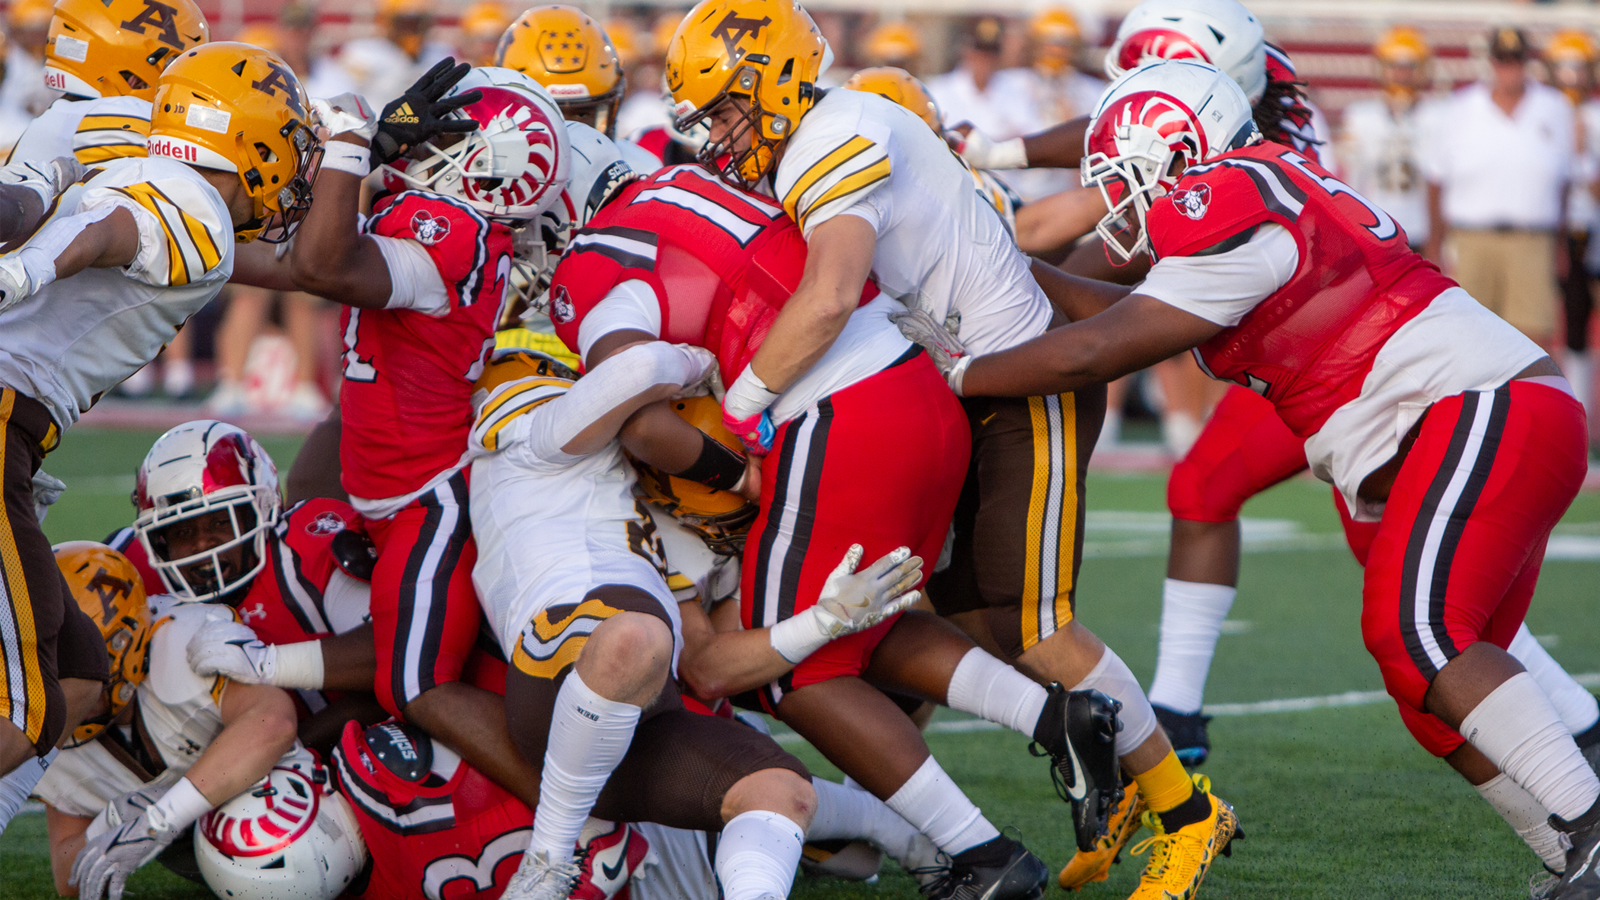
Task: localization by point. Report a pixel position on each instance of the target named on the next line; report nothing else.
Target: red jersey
(407, 398)
(722, 262)
(1308, 346)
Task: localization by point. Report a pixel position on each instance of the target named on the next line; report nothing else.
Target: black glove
(418, 115)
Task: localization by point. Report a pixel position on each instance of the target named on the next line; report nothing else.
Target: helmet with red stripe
(1220, 32)
(1147, 129)
(290, 838)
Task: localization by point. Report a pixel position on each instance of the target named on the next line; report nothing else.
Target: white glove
(224, 647)
(347, 114)
(918, 325)
(130, 841)
(709, 377)
(981, 152)
(851, 601)
(46, 491)
(48, 178)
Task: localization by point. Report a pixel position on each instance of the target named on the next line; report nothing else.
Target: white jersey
(92, 130)
(1378, 156)
(694, 570)
(679, 866)
(550, 526)
(79, 337)
(85, 778)
(941, 245)
(1581, 206)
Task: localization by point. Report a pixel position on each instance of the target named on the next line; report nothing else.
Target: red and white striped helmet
(290, 838)
(513, 167)
(196, 469)
(1150, 125)
(1220, 32)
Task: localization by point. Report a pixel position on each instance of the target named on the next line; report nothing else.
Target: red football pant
(1244, 449)
(879, 464)
(425, 613)
(1457, 554)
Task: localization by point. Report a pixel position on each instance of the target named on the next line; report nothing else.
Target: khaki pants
(1513, 273)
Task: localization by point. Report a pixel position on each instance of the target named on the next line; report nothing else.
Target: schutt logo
(1193, 202)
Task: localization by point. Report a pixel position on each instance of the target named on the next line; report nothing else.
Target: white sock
(1520, 732)
(1576, 706)
(1579, 369)
(1191, 622)
(19, 783)
(990, 689)
(845, 813)
(757, 855)
(1112, 677)
(933, 805)
(1526, 817)
(1110, 430)
(589, 735)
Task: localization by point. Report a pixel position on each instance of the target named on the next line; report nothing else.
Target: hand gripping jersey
(408, 375)
(305, 592)
(92, 130)
(1309, 346)
(722, 263)
(70, 342)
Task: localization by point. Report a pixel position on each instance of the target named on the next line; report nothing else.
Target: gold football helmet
(899, 85)
(28, 22)
(1402, 44)
(113, 48)
(571, 55)
(261, 35)
(1570, 55)
(508, 364)
(894, 44)
(239, 108)
(1056, 37)
(765, 54)
(110, 591)
(721, 518)
(482, 24)
(624, 39)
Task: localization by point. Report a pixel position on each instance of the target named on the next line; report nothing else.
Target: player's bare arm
(66, 839)
(29, 189)
(1131, 334)
(261, 265)
(331, 258)
(1057, 220)
(258, 728)
(1057, 147)
(1074, 296)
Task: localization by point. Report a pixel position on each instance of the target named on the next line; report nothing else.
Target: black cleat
(1078, 731)
(1581, 881)
(1187, 731)
(1589, 743)
(1001, 869)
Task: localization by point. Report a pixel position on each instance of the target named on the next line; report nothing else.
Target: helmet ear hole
(133, 81)
(266, 153)
(787, 73)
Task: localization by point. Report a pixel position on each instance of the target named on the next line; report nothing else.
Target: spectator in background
(14, 119)
(481, 26)
(894, 44)
(644, 106)
(320, 73)
(1570, 56)
(1379, 143)
(1056, 91)
(1497, 164)
(28, 26)
(384, 65)
(971, 95)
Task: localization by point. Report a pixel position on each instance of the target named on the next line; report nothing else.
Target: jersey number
(479, 871)
(356, 368)
(1383, 227)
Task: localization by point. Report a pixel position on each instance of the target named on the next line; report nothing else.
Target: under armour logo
(260, 612)
(163, 18)
(732, 29)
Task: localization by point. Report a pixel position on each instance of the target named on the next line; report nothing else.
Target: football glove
(49, 178)
(980, 152)
(47, 489)
(23, 273)
(224, 647)
(419, 114)
(130, 841)
(850, 602)
(347, 114)
(944, 348)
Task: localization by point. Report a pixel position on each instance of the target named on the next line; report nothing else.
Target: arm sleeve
(1223, 287)
(416, 281)
(630, 306)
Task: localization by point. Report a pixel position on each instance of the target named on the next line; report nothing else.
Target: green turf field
(1338, 803)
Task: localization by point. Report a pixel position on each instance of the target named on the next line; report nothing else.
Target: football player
(132, 783)
(106, 58)
(423, 280)
(1428, 413)
(681, 255)
(569, 53)
(873, 191)
(95, 293)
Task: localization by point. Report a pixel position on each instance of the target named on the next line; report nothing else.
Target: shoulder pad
(171, 680)
(458, 238)
(403, 749)
(355, 553)
(1215, 202)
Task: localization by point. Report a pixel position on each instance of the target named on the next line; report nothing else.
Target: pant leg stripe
(408, 643)
(772, 545)
(1050, 539)
(455, 528)
(802, 514)
(1426, 570)
(1067, 521)
(1499, 404)
(24, 683)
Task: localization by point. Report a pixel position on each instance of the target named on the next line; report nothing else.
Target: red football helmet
(1148, 129)
(1220, 32)
(194, 470)
(513, 167)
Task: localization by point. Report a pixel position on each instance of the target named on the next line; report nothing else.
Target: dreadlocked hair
(1284, 101)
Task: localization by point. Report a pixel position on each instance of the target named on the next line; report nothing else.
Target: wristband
(717, 467)
(798, 636)
(299, 665)
(1012, 154)
(958, 373)
(343, 156)
(748, 395)
(181, 806)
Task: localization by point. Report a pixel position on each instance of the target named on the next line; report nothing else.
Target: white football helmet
(194, 470)
(513, 167)
(1147, 129)
(290, 838)
(1220, 32)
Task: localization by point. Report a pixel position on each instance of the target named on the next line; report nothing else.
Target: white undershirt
(1222, 288)
(414, 277)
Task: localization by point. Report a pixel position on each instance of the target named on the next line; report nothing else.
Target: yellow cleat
(1095, 865)
(1179, 861)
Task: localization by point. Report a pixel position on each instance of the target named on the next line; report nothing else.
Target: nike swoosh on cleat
(1078, 789)
(1587, 861)
(611, 872)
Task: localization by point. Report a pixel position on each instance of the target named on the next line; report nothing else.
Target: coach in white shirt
(972, 94)
(1497, 166)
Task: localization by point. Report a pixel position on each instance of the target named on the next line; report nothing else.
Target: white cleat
(540, 878)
